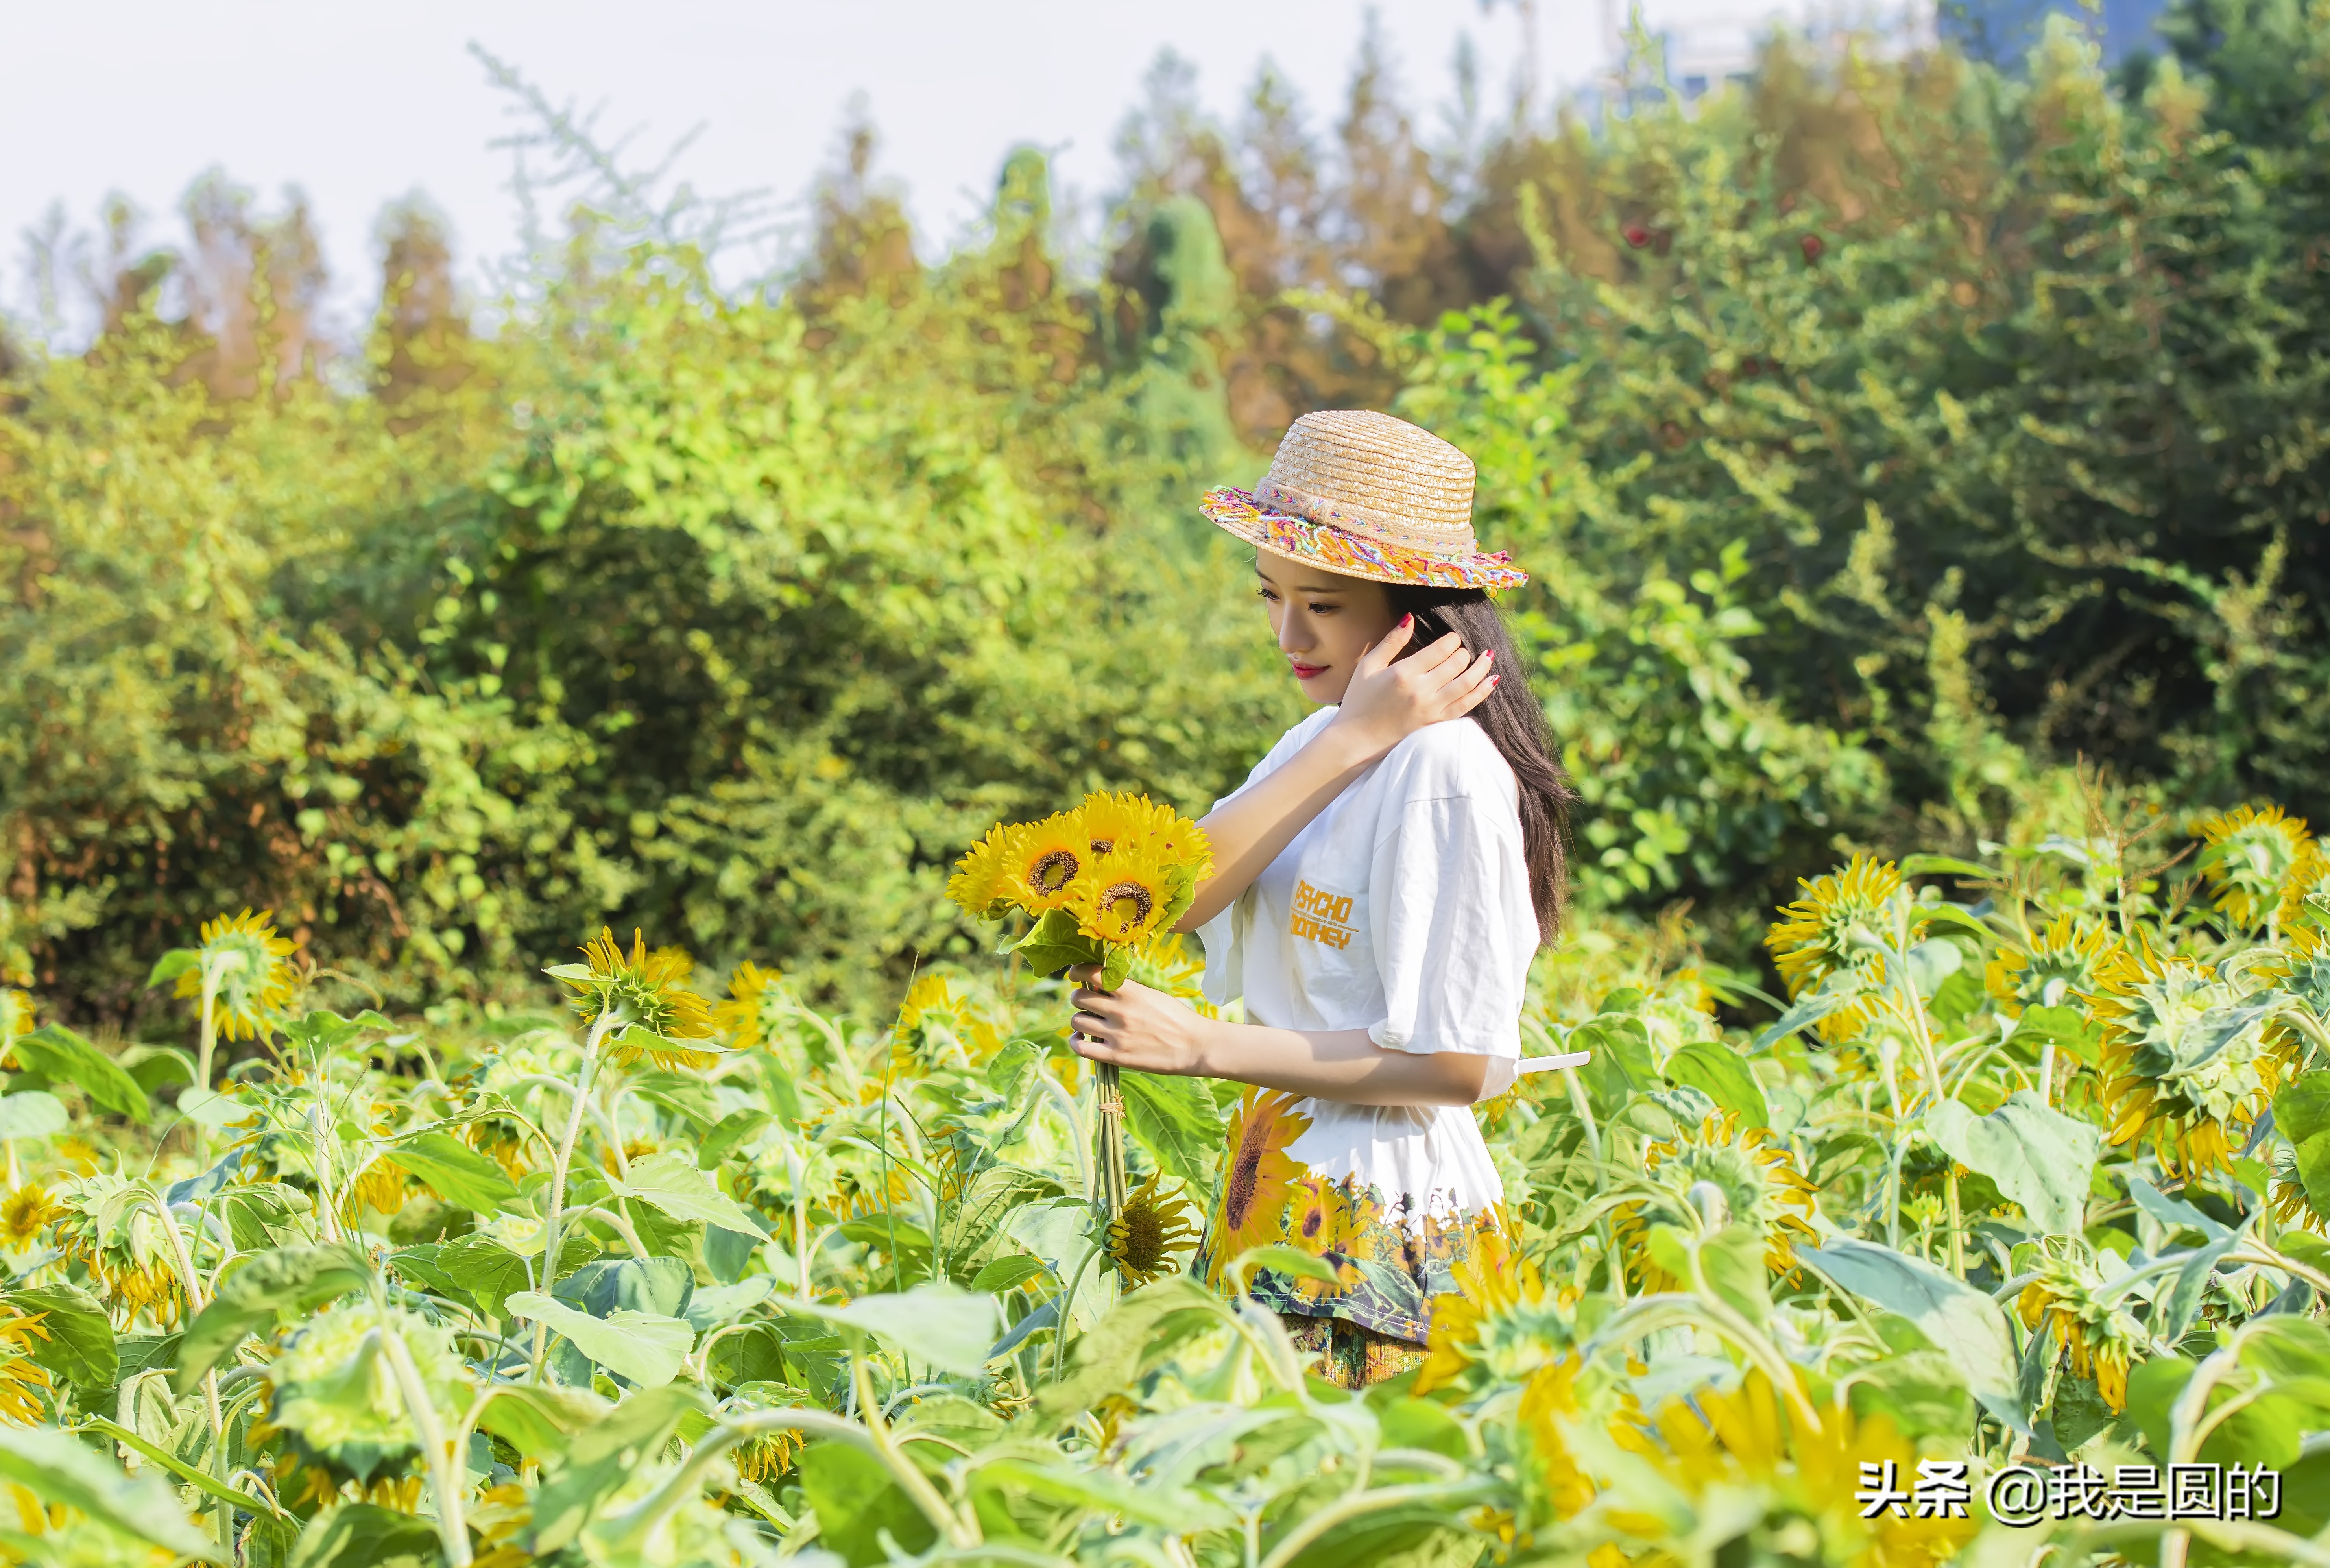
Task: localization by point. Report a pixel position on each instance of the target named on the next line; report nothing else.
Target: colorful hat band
(1352, 555)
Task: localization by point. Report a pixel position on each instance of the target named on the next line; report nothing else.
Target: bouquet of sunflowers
(1100, 882)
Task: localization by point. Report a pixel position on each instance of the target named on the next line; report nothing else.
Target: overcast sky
(359, 105)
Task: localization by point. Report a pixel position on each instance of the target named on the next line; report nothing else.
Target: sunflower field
(2027, 1176)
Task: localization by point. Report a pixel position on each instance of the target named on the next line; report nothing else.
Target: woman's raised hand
(1390, 697)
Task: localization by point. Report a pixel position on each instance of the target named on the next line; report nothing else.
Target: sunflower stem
(558, 1169)
(1108, 1101)
(444, 1479)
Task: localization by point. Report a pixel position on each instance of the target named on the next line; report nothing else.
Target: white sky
(359, 104)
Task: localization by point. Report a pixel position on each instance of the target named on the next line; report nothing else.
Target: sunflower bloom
(643, 993)
(982, 884)
(2306, 891)
(1126, 898)
(1043, 860)
(1148, 1230)
(1122, 825)
(1501, 1315)
(2060, 960)
(23, 1380)
(250, 964)
(2182, 1064)
(1252, 1210)
(766, 1457)
(1846, 924)
(15, 1017)
(111, 1225)
(24, 1212)
(1756, 1178)
(2249, 857)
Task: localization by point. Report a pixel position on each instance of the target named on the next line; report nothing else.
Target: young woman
(1380, 883)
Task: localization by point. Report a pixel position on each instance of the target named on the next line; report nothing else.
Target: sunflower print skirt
(1389, 1263)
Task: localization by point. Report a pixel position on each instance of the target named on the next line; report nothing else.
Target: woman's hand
(1390, 698)
(1136, 1027)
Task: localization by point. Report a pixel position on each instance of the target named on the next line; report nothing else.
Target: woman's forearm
(1342, 1064)
(1249, 832)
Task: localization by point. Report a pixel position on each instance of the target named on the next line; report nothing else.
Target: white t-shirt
(1403, 908)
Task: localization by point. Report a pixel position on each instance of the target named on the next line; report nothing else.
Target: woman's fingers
(1386, 648)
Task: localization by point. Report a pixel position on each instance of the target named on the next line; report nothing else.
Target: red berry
(1637, 235)
(1812, 247)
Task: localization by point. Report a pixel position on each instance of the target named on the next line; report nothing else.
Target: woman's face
(1323, 622)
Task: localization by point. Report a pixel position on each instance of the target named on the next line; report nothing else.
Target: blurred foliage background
(1885, 437)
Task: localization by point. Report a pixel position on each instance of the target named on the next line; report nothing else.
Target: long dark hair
(1514, 721)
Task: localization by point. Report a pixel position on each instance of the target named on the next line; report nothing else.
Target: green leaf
(999, 1275)
(643, 1348)
(1836, 992)
(31, 1114)
(456, 1173)
(1945, 866)
(1723, 1076)
(2040, 1158)
(540, 1422)
(731, 1130)
(80, 1348)
(1055, 943)
(671, 1181)
(60, 1056)
(488, 1271)
(1281, 1259)
(1953, 1315)
(363, 1535)
(209, 1109)
(271, 1284)
(664, 1287)
(859, 1502)
(60, 1469)
(2301, 1113)
(600, 1457)
(946, 1326)
(1620, 1064)
(1139, 1335)
(172, 964)
(1174, 1119)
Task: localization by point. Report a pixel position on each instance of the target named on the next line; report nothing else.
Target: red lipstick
(1304, 671)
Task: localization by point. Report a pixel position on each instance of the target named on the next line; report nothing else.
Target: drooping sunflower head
(1716, 1174)
(111, 1225)
(2306, 891)
(24, 1212)
(2093, 1325)
(2292, 1204)
(249, 965)
(2248, 855)
(1042, 861)
(1151, 1227)
(23, 1380)
(2060, 961)
(936, 1027)
(2185, 1061)
(982, 884)
(1501, 1317)
(644, 997)
(756, 1008)
(382, 1185)
(336, 1389)
(1846, 923)
(1128, 897)
(766, 1457)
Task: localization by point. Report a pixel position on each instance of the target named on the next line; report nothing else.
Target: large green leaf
(79, 1347)
(56, 1053)
(363, 1535)
(2040, 1158)
(1953, 1315)
(31, 1114)
(642, 1347)
(1055, 943)
(60, 1469)
(1723, 1076)
(540, 1421)
(600, 1456)
(2301, 1113)
(456, 1173)
(488, 1271)
(859, 1502)
(1174, 1119)
(948, 1327)
(671, 1181)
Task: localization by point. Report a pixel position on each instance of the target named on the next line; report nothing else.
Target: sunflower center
(1053, 871)
(1104, 846)
(1129, 902)
(1143, 1247)
(1245, 1175)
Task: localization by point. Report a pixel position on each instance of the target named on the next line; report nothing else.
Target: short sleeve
(1223, 938)
(1454, 929)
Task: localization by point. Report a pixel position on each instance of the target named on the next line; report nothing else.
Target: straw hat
(1365, 495)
